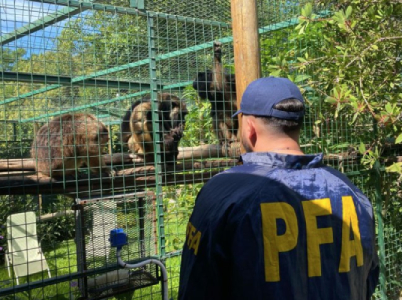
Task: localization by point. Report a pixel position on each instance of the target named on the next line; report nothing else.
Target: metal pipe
(143, 263)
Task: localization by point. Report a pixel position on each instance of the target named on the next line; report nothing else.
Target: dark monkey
(68, 142)
(220, 89)
(137, 130)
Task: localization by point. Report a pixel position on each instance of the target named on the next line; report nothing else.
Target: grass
(64, 256)
(62, 260)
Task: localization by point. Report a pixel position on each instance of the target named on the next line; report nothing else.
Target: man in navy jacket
(282, 225)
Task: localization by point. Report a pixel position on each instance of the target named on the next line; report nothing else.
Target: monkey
(67, 143)
(220, 90)
(139, 137)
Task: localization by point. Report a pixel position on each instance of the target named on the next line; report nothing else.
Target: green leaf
(276, 73)
(395, 168)
(302, 29)
(355, 117)
(307, 10)
(398, 139)
(330, 100)
(362, 148)
(300, 78)
(388, 108)
(348, 11)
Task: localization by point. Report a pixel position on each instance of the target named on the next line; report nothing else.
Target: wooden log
(13, 173)
(182, 167)
(28, 164)
(203, 151)
(119, 159)
(246, 46)
(137, 178)
(85, 186)
(50, 216)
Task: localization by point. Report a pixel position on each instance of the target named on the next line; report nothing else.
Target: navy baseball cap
(261, 95)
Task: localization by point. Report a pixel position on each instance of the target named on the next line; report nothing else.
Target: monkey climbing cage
(65, 57)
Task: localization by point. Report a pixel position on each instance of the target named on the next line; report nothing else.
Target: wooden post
(110, 146)
(246, 46)
(40, 200)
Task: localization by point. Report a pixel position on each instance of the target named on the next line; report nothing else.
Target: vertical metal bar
(141, 223)
(110, 142)
(157, 135)
(380, 222)
(80, 246)
(15, 131)
(380, 225)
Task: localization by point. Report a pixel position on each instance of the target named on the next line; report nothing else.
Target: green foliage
(9, 58)
(352, 61)
(178, 203)
(198, 129)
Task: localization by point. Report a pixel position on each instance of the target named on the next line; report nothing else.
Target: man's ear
(251, 130)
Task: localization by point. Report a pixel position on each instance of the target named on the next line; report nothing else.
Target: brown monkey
(68, 142)
(171, 111)
(220, 90)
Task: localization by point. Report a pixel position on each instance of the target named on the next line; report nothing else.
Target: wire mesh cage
(115, 113)
(95, 219)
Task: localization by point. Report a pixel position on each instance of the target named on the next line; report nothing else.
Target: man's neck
(283, 146)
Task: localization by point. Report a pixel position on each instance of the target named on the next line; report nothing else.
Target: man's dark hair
(286, 126)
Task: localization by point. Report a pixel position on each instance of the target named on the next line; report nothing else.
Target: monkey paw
(217, 47)
(112, 173)
(108, 172)
(136, 158)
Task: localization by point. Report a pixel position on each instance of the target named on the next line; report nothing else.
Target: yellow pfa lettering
(350, 247)
(274, 243)
(316, 236)
(193, 237)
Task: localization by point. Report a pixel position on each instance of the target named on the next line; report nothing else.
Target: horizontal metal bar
(289, 23)
(63, 278)
(32, 93)
(86, 106)
(178, 86)
(42, 23)
(269, 28)
(68, 81)
(132, 11)
(103, 116)
(78, 108)
(105, 111)
(112, 123)
(172, 254)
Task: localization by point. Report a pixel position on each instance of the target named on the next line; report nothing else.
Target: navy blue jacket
(280, 227)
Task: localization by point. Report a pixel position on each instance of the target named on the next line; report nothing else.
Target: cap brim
(236, 113)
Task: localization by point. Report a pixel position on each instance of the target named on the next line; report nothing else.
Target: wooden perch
(18, 176)
(28, 164)
(121, 159)
(51, 216)
(137, 178)
(84, 186)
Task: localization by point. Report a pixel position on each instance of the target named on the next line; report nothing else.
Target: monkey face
(171, 113)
